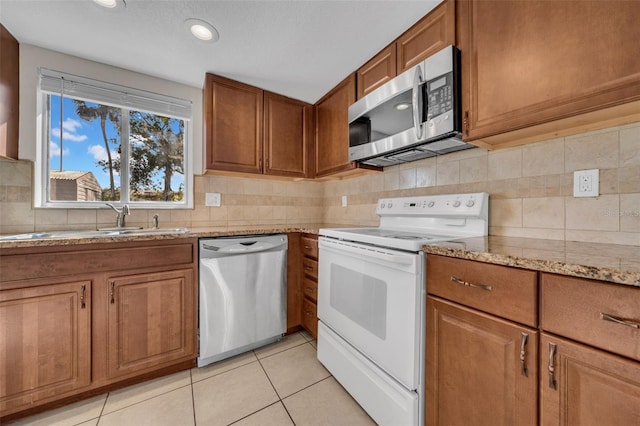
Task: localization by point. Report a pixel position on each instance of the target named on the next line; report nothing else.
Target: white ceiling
(299, 48)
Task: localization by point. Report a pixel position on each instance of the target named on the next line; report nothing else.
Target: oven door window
(372, 299)
(371, 292)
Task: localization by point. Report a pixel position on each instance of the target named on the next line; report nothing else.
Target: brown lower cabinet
(149, 321)
(82, 319)
(480, 369)
(579, 365)
(310, 284)
(45, 335)
(580, 385)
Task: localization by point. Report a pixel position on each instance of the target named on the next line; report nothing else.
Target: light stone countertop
(605, 262)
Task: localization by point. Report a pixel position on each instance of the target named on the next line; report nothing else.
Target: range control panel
(434, 205)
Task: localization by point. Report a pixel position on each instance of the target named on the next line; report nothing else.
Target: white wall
(32, 57)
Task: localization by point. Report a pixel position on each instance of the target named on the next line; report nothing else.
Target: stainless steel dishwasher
(243, 288)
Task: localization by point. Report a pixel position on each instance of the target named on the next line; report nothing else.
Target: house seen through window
(105, 143)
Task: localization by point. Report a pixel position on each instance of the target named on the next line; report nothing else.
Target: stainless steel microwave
(413, 116)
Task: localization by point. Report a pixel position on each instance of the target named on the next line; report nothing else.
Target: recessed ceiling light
(110, 4)
(202, 30)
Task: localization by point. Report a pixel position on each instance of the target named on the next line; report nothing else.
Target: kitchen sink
(109, 232)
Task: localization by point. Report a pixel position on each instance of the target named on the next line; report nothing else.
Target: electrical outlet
(344, 201)
(212, 199)
(586, 183)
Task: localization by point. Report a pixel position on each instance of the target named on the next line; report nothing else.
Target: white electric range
(371, 299)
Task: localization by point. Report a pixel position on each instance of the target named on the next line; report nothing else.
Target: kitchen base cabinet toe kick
(81, 320)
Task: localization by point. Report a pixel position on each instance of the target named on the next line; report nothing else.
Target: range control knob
(431, 204)
(470, 203)
(389, 204)
(456, 203)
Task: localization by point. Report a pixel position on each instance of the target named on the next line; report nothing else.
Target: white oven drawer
(382, 398)
(373, 298)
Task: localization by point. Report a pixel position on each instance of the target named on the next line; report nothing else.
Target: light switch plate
(212, 199)
(344, 201)
(586, 183)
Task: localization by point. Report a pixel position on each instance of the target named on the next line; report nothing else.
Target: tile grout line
(193, 397)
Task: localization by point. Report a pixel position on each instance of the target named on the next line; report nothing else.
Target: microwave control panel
(439, 94)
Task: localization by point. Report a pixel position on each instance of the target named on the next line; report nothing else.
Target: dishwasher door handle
(243, 247)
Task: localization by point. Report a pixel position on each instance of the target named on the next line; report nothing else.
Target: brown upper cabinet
(9, 94)
(249, 130)
(433, 32)
(332, 131)
(539, 69)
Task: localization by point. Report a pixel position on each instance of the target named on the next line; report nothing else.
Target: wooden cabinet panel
(332, 132)
(9, 94)
(46, 343)
(233, 125)
(380, 69)
(73, 260)
(151, 321)
(310, 247)
(287, 128)
(310, 268)
(310, 288)
(577, 308)
(522, 67)
(310, 317)
(294, 276)
(588, 386)
(432, 33)
(500, 290)
(474, 369)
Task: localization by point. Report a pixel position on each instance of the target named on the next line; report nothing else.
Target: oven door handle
(337, 247)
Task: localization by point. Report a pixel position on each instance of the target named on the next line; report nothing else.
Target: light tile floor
(279, 384)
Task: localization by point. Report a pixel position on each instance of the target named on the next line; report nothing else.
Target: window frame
(42, 164)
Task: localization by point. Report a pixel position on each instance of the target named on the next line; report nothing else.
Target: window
(107, 143)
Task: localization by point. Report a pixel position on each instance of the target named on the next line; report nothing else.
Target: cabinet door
(45, 350)
(583, 386)
(532, 62)
(233, 125)
(151, 321)
(478, 371)
(332, 129)
(287, 126)
(432, 33)
(9, 94)
(377, 71)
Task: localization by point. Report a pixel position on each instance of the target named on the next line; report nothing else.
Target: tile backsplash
(530, 190)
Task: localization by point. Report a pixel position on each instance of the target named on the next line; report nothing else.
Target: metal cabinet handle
(619, 320)
(307, 247)
(82, 302)
(524, 339)
(111, 292)
(552, 353)
(468, 284)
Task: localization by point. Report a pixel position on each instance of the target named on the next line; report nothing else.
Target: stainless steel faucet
(154, 221)
(121, 214)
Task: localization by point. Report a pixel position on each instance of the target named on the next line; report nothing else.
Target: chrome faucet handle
(125, 210)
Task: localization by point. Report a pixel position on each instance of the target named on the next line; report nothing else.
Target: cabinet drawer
(310, 247)
(310, 317)
(578, 309)
(310, 288)
(310, 267)
(500, 290)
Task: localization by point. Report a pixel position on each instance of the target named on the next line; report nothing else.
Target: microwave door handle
(416, 101)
